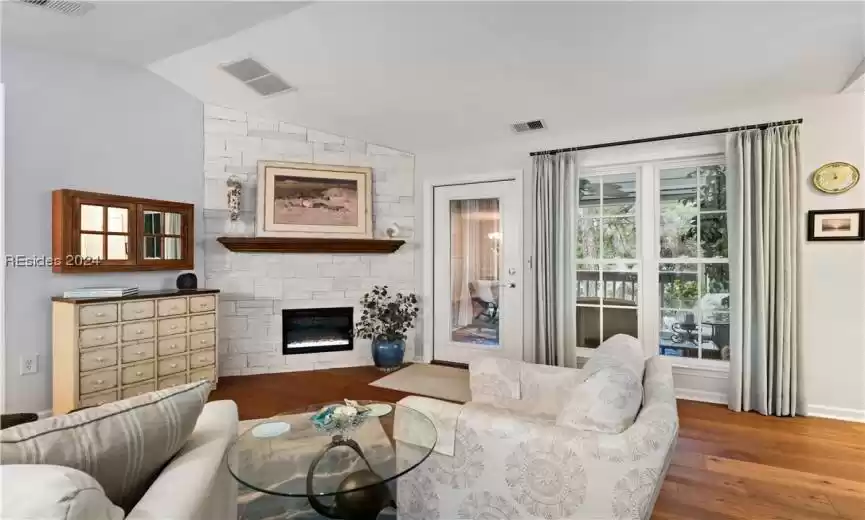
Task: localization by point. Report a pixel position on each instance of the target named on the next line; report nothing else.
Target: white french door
(477, 274)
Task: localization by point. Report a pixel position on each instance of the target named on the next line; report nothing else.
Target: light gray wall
(92, 126)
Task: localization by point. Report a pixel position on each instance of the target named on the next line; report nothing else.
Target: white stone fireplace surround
(256, 287)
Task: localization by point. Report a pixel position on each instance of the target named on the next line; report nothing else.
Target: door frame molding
(427, 294)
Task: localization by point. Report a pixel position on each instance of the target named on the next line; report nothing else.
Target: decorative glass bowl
(340, 418)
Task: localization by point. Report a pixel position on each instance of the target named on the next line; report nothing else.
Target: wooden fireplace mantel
(310, 245)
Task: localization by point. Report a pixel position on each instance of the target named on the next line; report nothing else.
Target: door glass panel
(91, 245)
(172, 249)
(475, 250)
(118, 220)
(91, 218)
(117, 247)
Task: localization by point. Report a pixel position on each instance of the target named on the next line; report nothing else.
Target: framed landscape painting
(313, 201)
(836, 224)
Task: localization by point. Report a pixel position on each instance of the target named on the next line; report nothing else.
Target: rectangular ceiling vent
(529, 126)
(257, 77)
(67, 7)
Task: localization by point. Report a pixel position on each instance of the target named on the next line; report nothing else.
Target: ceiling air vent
(257, 77)
(66, 7)
(529, 126)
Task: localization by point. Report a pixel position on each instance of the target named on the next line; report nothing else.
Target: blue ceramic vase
(388, 354)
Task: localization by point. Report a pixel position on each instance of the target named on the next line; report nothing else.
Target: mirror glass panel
(118, 221)
(172, 223)
(172, 249)
(91, 218)
(91, 246)
(118, 247)
(152, 248)
(152, 222)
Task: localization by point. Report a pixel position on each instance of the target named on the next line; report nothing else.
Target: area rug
(441, 382)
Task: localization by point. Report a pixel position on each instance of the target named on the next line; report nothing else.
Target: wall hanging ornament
(234, 190)
(835, 177)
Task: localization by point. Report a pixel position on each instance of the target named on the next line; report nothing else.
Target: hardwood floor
(727, 465)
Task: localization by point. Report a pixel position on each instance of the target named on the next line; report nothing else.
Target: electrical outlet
(29, 364)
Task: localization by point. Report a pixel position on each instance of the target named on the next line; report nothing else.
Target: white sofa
(504, 453)
(194, 485)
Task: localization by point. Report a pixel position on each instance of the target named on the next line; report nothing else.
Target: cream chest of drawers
(112, 348)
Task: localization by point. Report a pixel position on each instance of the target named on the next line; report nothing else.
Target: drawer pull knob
(204, 341)
(202, 304)
(139, 373)
(100, 314)
(100, 337)
(139, 311)
(98, 382)
(100, 359)
(173, 346)
(173, 327)
(202, 359)
(175, 308)
(139, 353)
(174, 365)
(139, 331)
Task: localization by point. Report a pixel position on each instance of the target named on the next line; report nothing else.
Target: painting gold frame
(265, 225)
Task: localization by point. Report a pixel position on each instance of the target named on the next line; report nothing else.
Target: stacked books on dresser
(100, 292)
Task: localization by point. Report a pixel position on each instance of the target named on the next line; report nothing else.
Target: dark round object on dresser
(187, 281)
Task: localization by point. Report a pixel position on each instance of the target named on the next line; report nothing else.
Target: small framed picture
(836, 224)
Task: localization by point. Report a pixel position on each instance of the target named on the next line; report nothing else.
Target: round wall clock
(836, 177)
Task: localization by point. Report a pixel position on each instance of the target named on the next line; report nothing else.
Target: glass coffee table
(344, 475)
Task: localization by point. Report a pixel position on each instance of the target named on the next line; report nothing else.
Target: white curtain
(765, 173)
(554, 195)
(474, 259)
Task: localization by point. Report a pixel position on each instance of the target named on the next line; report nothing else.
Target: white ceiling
(426, 76)
(137, 32)
(421, 76)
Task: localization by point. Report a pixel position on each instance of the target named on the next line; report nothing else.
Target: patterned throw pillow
(607, 401)
(123, 445)
(621, 351)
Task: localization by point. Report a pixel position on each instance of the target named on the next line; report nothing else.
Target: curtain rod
(667, 137)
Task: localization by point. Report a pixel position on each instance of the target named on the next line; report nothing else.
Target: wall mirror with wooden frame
(97, 232)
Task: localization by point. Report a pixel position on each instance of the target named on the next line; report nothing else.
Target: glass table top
(286, 455)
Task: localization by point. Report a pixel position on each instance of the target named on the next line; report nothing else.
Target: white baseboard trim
(691, 394)
(833, 412)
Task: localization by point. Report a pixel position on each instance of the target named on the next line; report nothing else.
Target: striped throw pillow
(123, 445)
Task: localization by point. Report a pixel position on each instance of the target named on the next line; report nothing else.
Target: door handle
(509, 285)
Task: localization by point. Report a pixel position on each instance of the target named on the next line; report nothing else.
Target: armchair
(503, 455)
